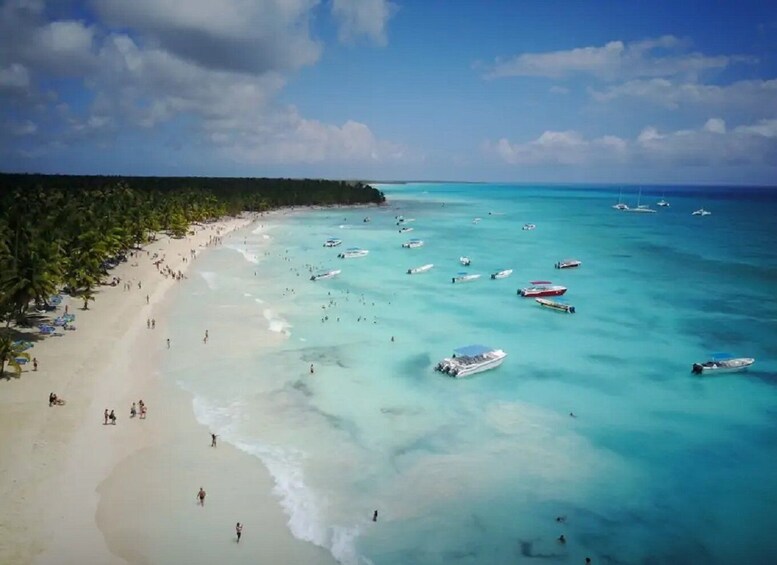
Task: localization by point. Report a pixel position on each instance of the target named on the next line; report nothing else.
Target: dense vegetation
(64, 232)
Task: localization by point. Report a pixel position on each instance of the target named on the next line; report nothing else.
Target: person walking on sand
(147, 299)
(143, 412)
(112, 418)
(238, 531)
(153, 323)
(34, 363)
(205, 339)
(105, 423)
(148, 323)
(201, 496)
(133, 411)
(168, 343)
(213, 440)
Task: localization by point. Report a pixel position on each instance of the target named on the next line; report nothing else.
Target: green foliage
(58, 230)
(9, 353)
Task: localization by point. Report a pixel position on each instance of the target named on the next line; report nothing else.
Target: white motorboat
(568, 264)
(325, 275)
(502, 274)
(527, 227)
(476, 221)
(333, 242)
(465, 261)
(464, 277)
(353, 252)
(421, 269)
(405, 229)
(413, 243)
(555, 305)
(471, 359)
(402, 220)
(722, 363)
(701, 212)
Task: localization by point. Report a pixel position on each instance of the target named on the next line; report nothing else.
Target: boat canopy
(720, 356)
(472, 350)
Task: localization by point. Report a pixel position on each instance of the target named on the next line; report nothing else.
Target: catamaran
(722, 363)
(641, 208)
(502, 274)
(620, 205)
(333, 242)
(471, 359)
(353, 252)
(542, 288)
(413, 243)
(421, 269)
(554, 305)
(325, 275)
(464, 276)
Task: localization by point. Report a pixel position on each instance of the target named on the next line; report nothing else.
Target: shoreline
(76, 491)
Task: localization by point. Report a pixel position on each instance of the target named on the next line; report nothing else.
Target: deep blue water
(657, 466)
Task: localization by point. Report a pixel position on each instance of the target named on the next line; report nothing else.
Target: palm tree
(86, 295)
(9, 353)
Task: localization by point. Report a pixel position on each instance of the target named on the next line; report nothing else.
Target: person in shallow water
(375, 516)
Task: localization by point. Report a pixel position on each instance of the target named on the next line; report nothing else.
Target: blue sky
(524, 91)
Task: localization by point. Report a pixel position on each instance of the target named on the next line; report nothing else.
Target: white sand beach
(74, 490)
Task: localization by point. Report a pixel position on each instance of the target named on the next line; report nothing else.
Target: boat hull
(502, 274)
(719, 367)
(556, 306)
(453, 368)
(529, 293)
(468, 278)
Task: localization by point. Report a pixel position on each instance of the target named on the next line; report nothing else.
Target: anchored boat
(325, 275)
(413, 243)
(464, 277)
(722, 363)
(568, 264)
(353, 252)
(502, 274)
(554, 305)
(333, 242)
(421, 269)
(542, 288)
(471, 359)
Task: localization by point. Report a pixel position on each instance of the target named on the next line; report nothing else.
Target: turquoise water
(657, 466)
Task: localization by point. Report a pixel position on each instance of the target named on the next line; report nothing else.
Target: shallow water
(658, 466)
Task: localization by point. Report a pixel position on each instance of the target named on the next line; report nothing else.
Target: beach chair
(59, 321)
(47, 330)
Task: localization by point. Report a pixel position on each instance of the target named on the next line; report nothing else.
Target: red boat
(542, 288)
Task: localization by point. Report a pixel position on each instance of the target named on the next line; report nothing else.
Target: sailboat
(663, 203)
(620, 205)
(643, 208)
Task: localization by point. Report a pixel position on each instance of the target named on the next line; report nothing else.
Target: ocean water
(656, 465)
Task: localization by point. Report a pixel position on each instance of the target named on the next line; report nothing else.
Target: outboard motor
(697, 369)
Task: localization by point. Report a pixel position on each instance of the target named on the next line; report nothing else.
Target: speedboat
(471, 359)
(568, 264)
(421, 269)
(465, 261)
(413, 243)
(722, 363)
(405, 229)
(502, 274)
(464, 277)
(701, 212)
(353, 252)
(527, 227)
(557, 306)
(332, 242)
(542, 288)
(325, 275)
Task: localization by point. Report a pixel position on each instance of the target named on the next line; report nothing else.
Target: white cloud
(614, 60)
(745, 94)
(252, 36)
(14, 76)
(218, 64)
(712, 145)
(555, 89)
(363, 17)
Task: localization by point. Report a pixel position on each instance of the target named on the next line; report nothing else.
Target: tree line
(63, 233)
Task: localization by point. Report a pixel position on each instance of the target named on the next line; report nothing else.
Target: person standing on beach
(213, 440)
(147, 299)
(168, 343)
(105, 423)
(112, 418)
(153, 323)
(375, 516)
(34, 363)
(133, 411)
(205, 339)
(238, 531)
(201, 496)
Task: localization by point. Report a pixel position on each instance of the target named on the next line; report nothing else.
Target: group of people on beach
(54, 400)
(135, 409)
